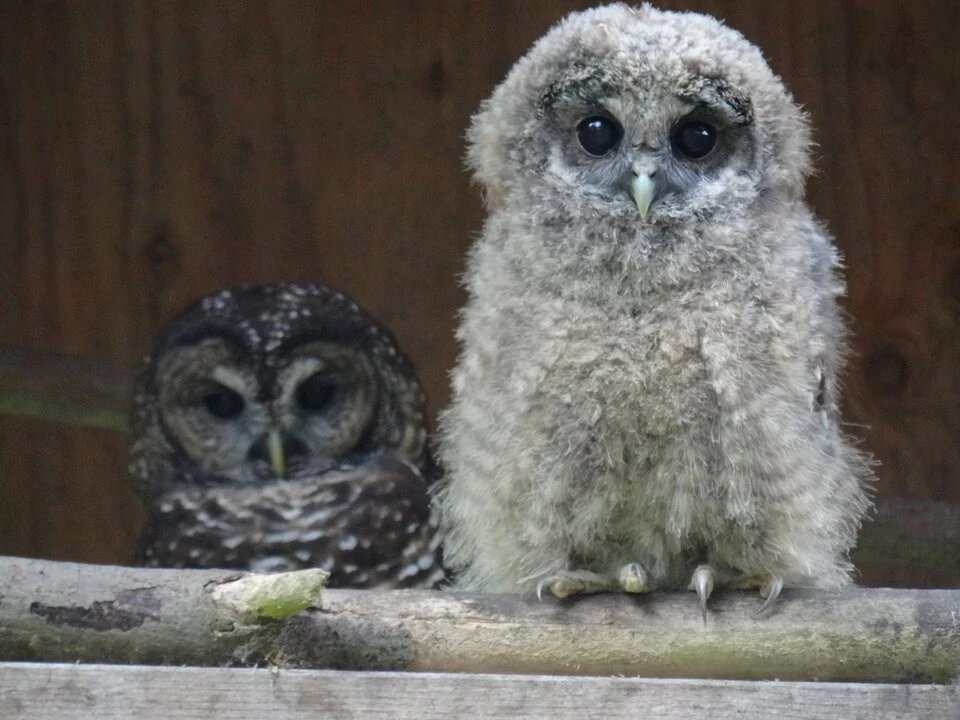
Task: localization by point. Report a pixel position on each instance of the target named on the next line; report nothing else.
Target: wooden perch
(64, 388)
(68, 612)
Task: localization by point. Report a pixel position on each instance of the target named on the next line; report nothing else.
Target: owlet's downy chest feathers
(646, 392)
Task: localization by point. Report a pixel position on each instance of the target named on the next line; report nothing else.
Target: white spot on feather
(347, 543)
(409, 570)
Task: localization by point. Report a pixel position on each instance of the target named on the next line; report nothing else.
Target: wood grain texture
(151, 152)
(65, 612)
(72, 692)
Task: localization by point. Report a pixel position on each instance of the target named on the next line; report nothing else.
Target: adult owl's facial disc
(312, 412)
(210, 406)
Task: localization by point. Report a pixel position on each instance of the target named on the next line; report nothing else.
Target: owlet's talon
(575, 582)
(633, 578)
(702, 582)
(770, 591)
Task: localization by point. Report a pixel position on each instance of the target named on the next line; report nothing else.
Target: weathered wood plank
(61, 612)
(106, 692)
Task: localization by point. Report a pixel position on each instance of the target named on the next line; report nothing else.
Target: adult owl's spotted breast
(278, 427)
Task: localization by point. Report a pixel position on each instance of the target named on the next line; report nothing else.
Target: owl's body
(278, 427)
(650, 349)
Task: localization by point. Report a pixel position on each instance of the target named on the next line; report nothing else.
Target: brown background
(152, 151)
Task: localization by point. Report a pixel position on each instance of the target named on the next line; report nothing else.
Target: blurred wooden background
(152, 151)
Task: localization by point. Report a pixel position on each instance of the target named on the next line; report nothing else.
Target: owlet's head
(651, 117)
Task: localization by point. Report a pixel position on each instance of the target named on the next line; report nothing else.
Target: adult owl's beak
(275, 446)
(643, 188)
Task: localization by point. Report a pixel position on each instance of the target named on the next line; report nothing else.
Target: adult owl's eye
(599, 135)
(694, 139)
(224, 403)
(315, 393)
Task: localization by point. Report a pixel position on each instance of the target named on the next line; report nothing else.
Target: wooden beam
(65, 612)
(64, 388)
(109, 692)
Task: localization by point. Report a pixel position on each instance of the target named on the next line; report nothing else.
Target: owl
(278, 427)
(646, 393)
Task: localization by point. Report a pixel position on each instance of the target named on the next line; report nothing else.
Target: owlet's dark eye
(598, 135)
(223, 403)
(315, 393)
(694, 139)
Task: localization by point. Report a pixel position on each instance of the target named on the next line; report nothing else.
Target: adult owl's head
(658, 117)
(270, 381)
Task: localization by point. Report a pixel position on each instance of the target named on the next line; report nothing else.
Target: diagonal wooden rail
(65, 612)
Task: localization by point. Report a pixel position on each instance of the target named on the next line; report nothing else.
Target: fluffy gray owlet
(278, 427)
(646, 395)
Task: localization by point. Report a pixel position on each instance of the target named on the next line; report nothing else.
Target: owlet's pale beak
(275, 445)
(643, 189)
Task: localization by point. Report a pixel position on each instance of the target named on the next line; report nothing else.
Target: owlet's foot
(632, 578)
(703, 580)
(768, 585)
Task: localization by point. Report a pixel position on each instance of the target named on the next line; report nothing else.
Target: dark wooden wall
(152, 151)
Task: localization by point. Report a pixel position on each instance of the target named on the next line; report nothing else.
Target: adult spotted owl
(277, 427)
(646, 395)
